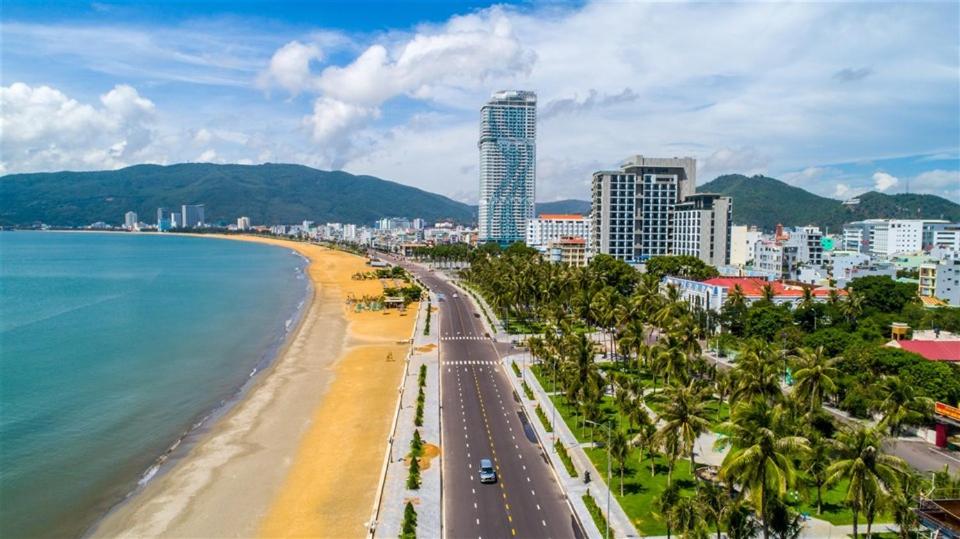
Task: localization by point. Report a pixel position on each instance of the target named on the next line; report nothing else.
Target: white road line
(528, 480)
(544, 522)
(478, 522)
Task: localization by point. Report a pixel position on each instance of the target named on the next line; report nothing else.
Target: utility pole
(609, 484)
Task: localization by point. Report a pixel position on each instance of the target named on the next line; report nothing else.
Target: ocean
(113, 347)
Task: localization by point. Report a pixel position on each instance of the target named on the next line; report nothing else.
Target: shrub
(408, 529)
(516, 370)
(416, 444)
(413, 477)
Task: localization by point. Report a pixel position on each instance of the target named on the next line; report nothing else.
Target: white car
(455, 296)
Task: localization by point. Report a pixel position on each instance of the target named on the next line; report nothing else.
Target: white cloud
(841, 190)
(747, 161)
(290, 68)
(43, 129)
(208, 156)
(883, 181)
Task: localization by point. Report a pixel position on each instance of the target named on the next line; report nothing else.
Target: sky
(838, 98)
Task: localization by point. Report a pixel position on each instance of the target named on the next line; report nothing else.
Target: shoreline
(252, 470)
(209, 419)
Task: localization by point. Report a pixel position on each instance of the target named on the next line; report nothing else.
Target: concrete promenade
(426, 500)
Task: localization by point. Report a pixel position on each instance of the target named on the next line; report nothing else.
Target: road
(480, 418)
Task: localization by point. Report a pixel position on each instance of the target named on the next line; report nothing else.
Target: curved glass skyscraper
(508, 165)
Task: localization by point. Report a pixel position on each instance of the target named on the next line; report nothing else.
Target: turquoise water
(112, 346)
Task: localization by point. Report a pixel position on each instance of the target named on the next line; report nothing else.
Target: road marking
(528, 479)
(474, 505)
(544, 522)
(524, 466)
(478, 522)
(538, 505)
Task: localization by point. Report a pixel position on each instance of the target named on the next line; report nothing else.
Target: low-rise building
(570, 250)
(742, 242)
(713, 293)
(941, 281)
(549, 227)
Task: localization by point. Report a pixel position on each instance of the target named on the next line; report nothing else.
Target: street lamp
(606, 426)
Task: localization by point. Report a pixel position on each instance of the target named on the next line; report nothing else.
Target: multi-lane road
(481, 418)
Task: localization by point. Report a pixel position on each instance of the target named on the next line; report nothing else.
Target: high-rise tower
(508, 165)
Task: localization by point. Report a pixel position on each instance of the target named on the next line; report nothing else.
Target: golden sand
(301, 455)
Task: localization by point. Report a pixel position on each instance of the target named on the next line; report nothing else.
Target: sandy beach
(300, 455)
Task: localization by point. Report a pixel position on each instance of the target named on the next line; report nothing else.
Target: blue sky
(838, 98)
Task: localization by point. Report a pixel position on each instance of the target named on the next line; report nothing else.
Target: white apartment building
(508, 165)
(553, 226)
(243, 223)
(888, 237)
(633, 208)
(792, 250)
(702, 224)
(742, 242)
(130, 220)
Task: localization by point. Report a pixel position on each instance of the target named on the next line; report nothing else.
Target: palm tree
(665, 504)
(619, 451)
(767, 293)
(814, 378)
(757, 375)
(712, 500)
(817, 462)
(738, 520)
(903, 504)
(870, 473)
(901, 405)
(646, 440)
(686, 516)
(852, 307)
(761, 459)
(672, 361)
(684, 418)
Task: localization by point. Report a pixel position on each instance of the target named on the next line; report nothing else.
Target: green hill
(564, 206)
(269, 193)
(765, 202)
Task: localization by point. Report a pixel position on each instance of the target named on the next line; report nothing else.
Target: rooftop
(932, 350)
(562, 216)
(753, 287)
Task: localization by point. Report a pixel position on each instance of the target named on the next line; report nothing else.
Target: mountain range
(280, 193)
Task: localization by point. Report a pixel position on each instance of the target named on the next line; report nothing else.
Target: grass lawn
(834, 510)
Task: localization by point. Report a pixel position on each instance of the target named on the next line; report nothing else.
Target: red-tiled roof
(753, 287)
(933, 350)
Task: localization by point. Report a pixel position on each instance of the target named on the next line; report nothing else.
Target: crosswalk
(470, 362)
(463, 338)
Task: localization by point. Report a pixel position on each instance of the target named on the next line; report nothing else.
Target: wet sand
(301, 454)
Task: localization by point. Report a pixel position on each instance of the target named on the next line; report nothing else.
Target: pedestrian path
(427, 499)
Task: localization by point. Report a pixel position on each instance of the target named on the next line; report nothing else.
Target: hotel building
(553, 226)
(508, 173)
(703, 228)
(633, 208)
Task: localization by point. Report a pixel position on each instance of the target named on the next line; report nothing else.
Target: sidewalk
(427, 499)
(620, 523)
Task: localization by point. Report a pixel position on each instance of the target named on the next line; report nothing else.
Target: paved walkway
(427, 499)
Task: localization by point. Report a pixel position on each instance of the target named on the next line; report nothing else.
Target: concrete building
(888, 237)
(191, 216)
(789, 251)
(550, 227)
(508, 171)
(941, 235)
(713, 293)
(243, 223)
(633, 208)
(742, 242)
(941, 281)
(702, 224)
(571, 251)
(130, 220)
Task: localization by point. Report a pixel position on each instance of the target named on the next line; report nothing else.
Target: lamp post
(607, 427)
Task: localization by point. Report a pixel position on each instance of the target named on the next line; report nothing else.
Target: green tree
(900, 405)
(762, 458)
(814, 378)
(882, 294)
(684, 418)
(619, 451)
(689, 267)
(869, 472)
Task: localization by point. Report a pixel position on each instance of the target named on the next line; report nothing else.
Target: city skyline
(395, 94)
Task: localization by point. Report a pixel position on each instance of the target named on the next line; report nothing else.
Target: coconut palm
(684, 418)
(665, 504)
(712, 501)
(738, 520)
(813, 378)
(901, 405)
(903, 504)
(619, 451)
(816, 463)
(757, 375)
(645, 440)
(686, 516)
(762, 458)
(870, 473)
